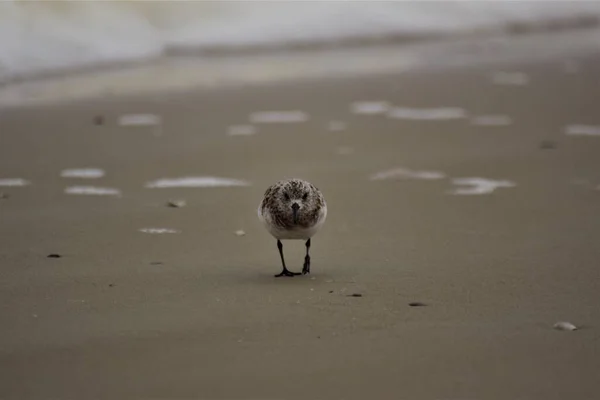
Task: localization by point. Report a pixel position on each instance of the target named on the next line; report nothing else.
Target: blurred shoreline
(189, 70)
(53, 39)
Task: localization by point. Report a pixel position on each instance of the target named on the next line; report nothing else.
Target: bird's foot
(285, 272)
(306, 267)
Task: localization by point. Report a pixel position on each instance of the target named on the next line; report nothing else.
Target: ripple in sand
(510, 78)
(491, 120)
(370, 107)
(86, 173)
(139, 120)
(336, 126)
(271, 117)
(479, 185)
(571, 67)
(92, 191)
(344, 150)
(241, 130)
(582, 130)
(13, 182)
(158, 230)
(195, 181)
(427, 114)
(404, 173)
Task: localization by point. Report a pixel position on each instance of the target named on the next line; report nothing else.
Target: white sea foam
(86, 173)
(510, 78)
(92, 191)
(427, 114)
(582, 130)
(491, 120)
(14, 182)
(281, 117)
(196, 181)
(405, 173)
(241, 130)
(158, 230)
(477, 186)
(370, 107)
(139, 120)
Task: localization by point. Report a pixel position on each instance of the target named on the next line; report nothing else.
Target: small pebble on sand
(240, 233)
(176, 203)
(417, 304)
(54, 255)
(354, 295)
(564, 326)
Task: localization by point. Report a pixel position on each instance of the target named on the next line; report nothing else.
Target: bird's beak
(295, 208)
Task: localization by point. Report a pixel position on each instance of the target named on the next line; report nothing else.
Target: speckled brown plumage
(279, 197)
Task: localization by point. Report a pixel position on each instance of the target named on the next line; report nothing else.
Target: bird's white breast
(291, 234)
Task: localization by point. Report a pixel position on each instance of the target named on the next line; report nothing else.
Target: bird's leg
(285, 271)
(306, 268)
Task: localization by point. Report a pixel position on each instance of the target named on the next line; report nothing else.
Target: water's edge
(216, 52)
(170, 75)
(45, 39)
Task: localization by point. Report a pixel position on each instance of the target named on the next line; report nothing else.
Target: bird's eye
(286, 196)
(305, 196)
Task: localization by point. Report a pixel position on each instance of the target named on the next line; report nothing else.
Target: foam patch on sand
(405, 173)
(92, 191)
(13, 182)
(370, 107)
(478, 186)
(85, 173)
(139, 120)
(158, 230)
(282, 117)
(195, 181)
(241, 130)
(491, 120)
(583, 130)
(427, 114)
(510, 78)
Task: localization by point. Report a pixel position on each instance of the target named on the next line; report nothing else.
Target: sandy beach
(197, 313)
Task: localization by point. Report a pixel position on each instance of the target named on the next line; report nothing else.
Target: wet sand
(198, 313)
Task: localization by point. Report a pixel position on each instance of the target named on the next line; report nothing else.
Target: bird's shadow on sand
(263, 278)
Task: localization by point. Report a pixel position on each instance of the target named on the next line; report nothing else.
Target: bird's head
(298, 197)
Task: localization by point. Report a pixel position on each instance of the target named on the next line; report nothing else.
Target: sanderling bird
(293, 209)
